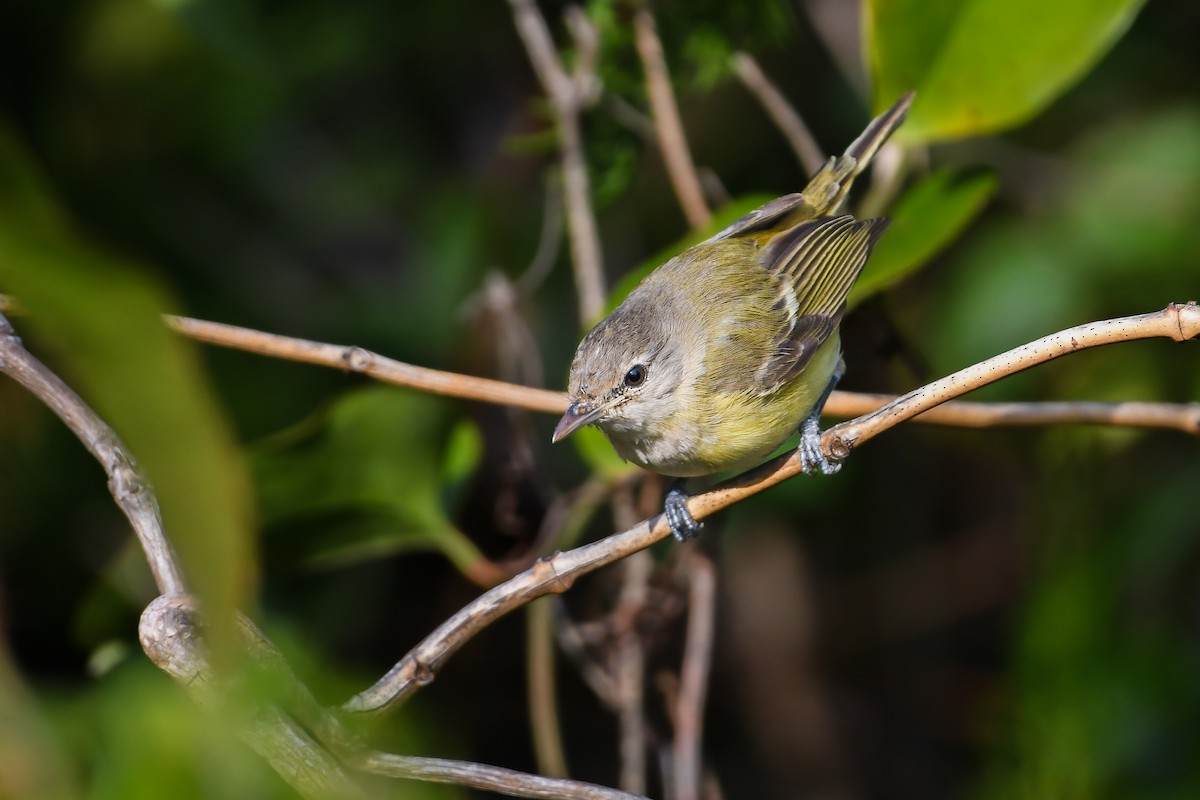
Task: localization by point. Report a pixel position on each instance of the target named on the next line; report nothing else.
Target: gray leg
(812, 457)
(683, 525)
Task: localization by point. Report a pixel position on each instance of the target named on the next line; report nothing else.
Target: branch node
(840, 447)
(356, 359)
(559, 583)
(423, 674)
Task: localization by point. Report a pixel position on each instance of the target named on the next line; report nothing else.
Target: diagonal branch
(677, 156)
(569, 94)
(306, 744)
(558, 572)
(133, 495)
(790, 124)
(1178, 322)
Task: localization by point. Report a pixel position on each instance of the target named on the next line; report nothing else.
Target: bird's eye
(636, 376)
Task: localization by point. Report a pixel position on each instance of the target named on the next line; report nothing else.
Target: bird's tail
(829, 187)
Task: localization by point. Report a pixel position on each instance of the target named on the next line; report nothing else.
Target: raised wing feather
(814, 266)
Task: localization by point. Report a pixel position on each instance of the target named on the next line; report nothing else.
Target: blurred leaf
(1115, 237)
(598, 453)
(463, 451)
(1103, 695)
(733, 210)
(365, 478)
(102, 317)
(926, 219)
(33, 763)
(984, 65)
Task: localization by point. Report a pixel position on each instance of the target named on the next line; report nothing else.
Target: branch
(693, 678)
(542, 683)
(569, 95)
(964, 414)
(358, 360)
(558, 572)
(676, 155)
(1185, 418)
(629, 660)
(171, 634)
(301, 740)
(1178, 322)
(129, 489)
(790, 124)
(482, 776)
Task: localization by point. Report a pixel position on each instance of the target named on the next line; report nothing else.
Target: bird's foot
(812, 457)
(683, 525)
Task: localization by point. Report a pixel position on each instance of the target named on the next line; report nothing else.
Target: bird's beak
(573, 421)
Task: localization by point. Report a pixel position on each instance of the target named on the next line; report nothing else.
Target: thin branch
(548, 245)
(569, 94)
(781, 112)
(629, 667)
(301, 740)
(671, 139)
(555, 573)
(1185, 418)
(129, 489)
(171, 635)
(1178, 322)
(558, 572)
(482, 776)
(543, 700)
(693, 678)
(964, 414)
(356, 359)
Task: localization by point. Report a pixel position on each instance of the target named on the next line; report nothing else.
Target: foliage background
(989, 613)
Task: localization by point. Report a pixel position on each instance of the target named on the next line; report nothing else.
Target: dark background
(993, 613)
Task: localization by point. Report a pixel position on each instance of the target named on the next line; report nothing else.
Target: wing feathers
(815, 265)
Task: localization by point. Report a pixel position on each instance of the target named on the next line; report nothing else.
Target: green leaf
(984, 65)
(365, 479)
(102, 318)
(926, 219)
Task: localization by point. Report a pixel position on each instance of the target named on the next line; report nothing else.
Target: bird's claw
(812, 457)
(683, 525)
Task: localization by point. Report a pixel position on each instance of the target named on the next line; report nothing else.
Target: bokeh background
(959, 613)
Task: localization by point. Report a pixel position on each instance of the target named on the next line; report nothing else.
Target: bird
(723, 352)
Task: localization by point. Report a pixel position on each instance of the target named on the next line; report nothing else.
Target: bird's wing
(790, 207)
(814, 265)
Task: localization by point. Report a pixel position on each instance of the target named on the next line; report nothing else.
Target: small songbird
(722, 353)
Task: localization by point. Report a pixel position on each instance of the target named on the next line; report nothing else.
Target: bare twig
(300, 739)
(171, 634)
(1185, 418)
(1178, 322)
(693, 677)
(671, 139)
(548, 245)
(556, 573)
(964, 414)
(569, 94)
(543, 700)
(133, 495)
(630, 659)
(482, 776)
(785, 117)
(356, 359)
